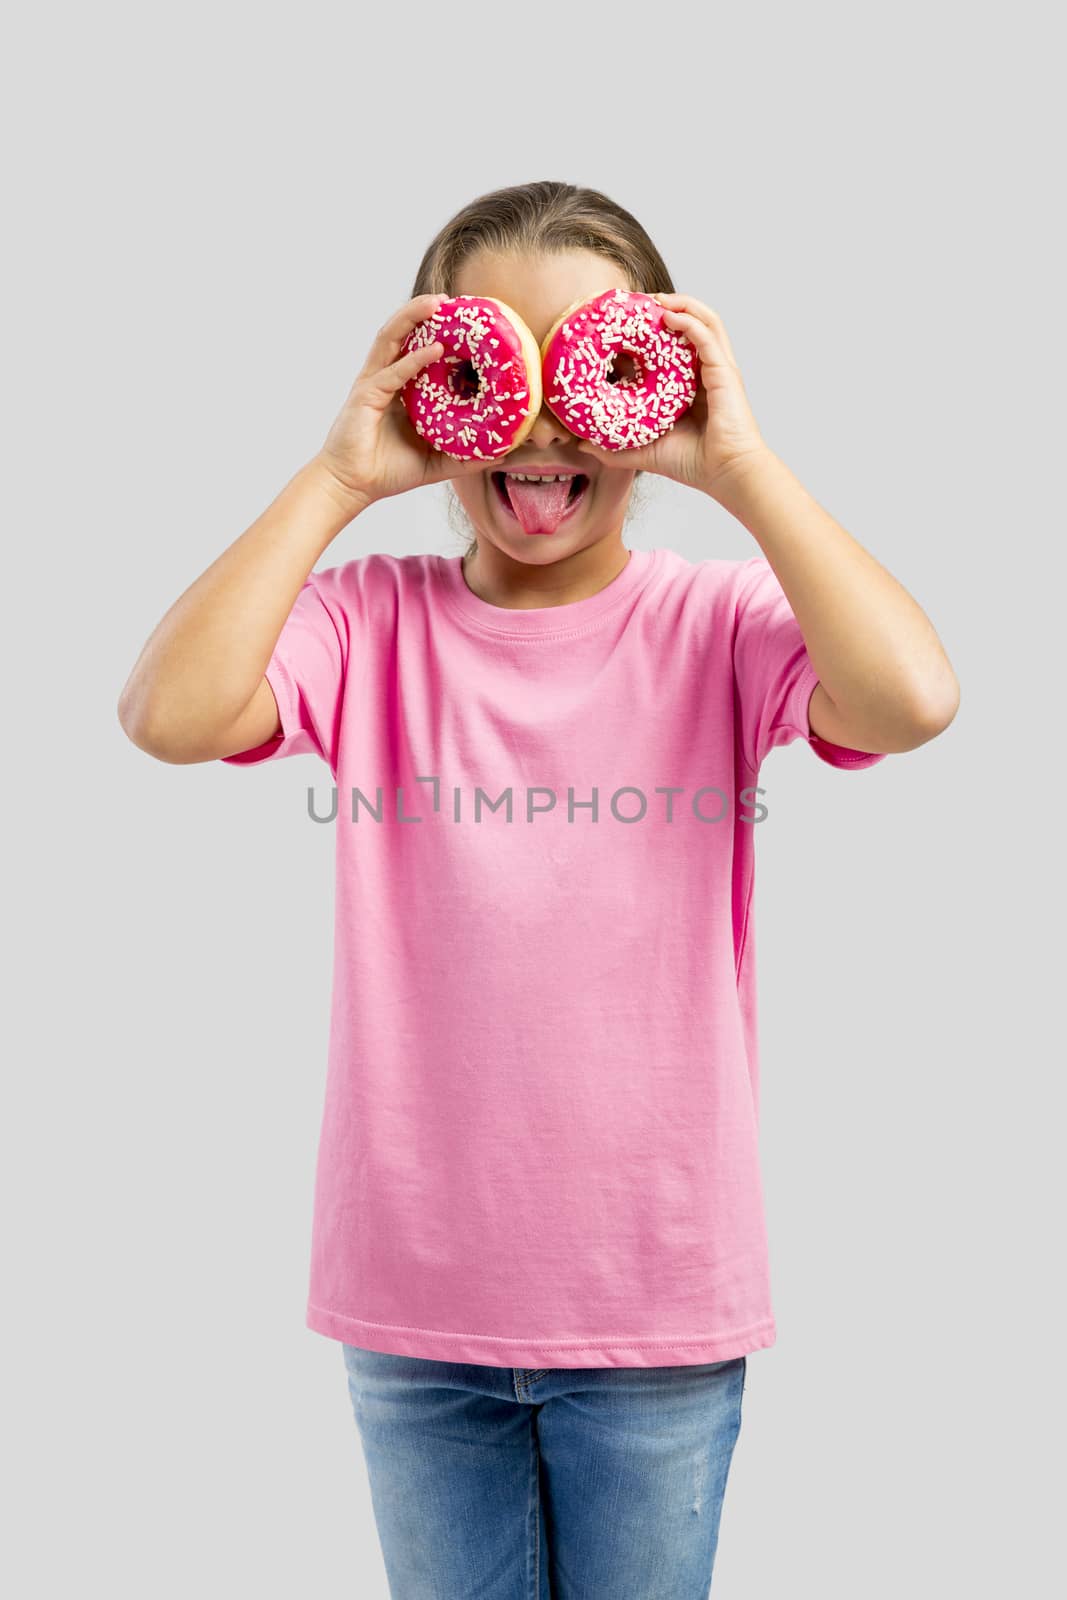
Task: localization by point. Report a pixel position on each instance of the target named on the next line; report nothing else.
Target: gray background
(210, 212)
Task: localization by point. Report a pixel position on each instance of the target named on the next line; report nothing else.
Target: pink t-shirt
(539, 1140)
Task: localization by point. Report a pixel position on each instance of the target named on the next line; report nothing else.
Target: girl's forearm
(205, 659)
(876, 653)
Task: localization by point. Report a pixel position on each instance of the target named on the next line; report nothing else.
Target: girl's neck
(523, 586)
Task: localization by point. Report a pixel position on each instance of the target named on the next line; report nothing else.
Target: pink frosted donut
(597, 397)
(484, 394)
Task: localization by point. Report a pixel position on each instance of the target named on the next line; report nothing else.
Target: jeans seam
(534, 1519)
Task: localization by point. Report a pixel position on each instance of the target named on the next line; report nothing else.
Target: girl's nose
(547, 431)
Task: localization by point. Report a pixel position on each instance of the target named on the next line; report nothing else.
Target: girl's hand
(718, 430)
(372, 451)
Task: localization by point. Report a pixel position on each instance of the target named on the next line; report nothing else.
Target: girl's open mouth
(539, 508)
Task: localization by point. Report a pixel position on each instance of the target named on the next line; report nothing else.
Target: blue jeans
(565, 1483)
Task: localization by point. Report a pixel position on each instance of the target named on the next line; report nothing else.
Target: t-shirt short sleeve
(306, 672)
(774, 675)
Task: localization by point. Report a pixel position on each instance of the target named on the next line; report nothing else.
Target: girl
(538, 1231)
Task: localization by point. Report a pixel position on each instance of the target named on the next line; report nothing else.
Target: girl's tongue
(540, 507)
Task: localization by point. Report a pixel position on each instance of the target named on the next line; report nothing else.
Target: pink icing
(630, 412)
(483, 423)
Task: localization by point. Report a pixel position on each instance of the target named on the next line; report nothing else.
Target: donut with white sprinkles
(483, 395)
(618, 404)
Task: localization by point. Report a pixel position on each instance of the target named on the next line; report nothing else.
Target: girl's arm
(885, 683)
(197, 691)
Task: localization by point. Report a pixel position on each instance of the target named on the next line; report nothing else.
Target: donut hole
(464, 380)
(623, 368)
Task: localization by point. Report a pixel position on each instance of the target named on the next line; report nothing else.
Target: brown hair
(541, 219)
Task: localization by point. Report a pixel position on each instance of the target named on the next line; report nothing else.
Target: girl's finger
(686, 302)
(710, 318)
(392, 333)
(705, 339)
(380, 387)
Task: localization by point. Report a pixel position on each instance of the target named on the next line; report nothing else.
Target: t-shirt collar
(539, 621)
